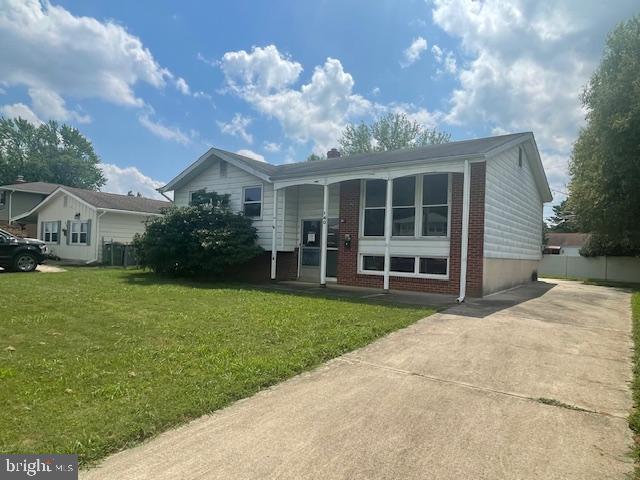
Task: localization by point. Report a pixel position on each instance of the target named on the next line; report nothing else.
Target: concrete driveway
(458, 395)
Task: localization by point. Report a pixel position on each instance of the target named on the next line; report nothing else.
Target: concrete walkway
(455, 396)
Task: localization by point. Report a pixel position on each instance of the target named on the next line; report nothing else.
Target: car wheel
(25, 262)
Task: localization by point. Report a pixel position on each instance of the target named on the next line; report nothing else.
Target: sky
(154, 84)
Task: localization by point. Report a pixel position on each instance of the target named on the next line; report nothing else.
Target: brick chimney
(20, 179)
(333, 153)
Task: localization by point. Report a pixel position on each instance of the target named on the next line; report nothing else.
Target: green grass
(101, 359)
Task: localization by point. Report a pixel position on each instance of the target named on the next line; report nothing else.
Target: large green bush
(206, 239)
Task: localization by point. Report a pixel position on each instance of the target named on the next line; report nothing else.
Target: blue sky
(153, 84)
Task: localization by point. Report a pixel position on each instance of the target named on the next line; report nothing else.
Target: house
(75, 223)
(458, 218)
(568, 244)
(19, 198)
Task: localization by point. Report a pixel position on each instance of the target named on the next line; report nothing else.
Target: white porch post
(323, 242)
(466, 197)
(387, 233)
(274, 236)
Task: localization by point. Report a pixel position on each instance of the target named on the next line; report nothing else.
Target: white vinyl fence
(617, 269)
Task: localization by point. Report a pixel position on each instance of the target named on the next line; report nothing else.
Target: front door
(310, 249)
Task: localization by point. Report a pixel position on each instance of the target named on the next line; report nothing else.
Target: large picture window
(252, 201)
(435, 205)
(404, 207)
(375, 197)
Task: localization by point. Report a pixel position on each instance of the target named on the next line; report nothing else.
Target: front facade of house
(76, 223)
(463, 218)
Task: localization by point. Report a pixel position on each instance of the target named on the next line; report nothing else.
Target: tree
(391, 132)
(563, 220)
(315, 157)
(49, 152)
(605, 162)
(203, 239)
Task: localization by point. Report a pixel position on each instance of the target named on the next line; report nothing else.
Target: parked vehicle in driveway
(21, 254)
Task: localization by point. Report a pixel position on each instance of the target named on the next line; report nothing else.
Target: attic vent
(223, 168)
(520, 154)
(64, 200)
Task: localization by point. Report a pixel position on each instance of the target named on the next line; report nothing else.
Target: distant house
(458, 218)
(75, 222)
(568, 244)
(17, 199)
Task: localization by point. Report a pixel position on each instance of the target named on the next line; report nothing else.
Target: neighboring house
(18, 199)
(457, 218)
(75, 222)
(568, 244)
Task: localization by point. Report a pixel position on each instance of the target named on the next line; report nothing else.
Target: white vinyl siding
(233, 184)
(119, 227)
(513, 209)
(310, 203)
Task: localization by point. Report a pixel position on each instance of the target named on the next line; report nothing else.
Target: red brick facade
(349, 224)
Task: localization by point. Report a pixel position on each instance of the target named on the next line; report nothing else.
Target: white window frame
(417, 205)
(416, 180)
(48, 226)
(261, 202)
(416, 268)
(79, 232)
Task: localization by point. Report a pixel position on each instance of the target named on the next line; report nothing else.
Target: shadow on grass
(147, 278)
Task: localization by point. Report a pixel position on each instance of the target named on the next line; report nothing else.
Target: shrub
(600, 245)
(203, 239)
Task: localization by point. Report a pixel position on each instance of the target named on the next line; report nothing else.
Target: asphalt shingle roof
(119, 202)
(33, 187)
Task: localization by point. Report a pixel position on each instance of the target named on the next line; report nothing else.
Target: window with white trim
(404, 207)
(79, 233)
(50, 233)
(252, 201)
(407, 266)
(435, 205)
(375, 197)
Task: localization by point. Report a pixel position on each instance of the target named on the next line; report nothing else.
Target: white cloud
(183, 86)
(237, 127)
(263, 70)
(317, 111)
(58, 55)
(251, 154)
(413, 53)
(376, 91)
(437, 53)
(272, 147)
(50, 105)
(167, 133)
(122, 180)
(20, 110)
(446, 59)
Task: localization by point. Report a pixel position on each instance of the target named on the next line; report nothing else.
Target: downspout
(464, 249)
(96, 240)
(10, 197)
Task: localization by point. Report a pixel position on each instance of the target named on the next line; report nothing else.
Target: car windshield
(7, 234)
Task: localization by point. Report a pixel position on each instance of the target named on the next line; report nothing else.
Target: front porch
(381, 238)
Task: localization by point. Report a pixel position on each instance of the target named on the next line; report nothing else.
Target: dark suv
(20, 254)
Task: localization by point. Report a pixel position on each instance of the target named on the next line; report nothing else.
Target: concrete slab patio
(455, 396)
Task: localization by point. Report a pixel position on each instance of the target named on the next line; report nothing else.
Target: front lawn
(94, 360)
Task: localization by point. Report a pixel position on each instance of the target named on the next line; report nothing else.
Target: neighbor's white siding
(63, 210)
(233, 184)
(118, 227)
(513, 209)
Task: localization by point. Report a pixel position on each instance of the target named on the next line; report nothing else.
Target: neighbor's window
(3, 198)
(252, 201)
(375, 195)
(404, 207)
(50, 232)
(373, 263)
(435, 205)
(198, 197)
(79, 233)
(433, 266)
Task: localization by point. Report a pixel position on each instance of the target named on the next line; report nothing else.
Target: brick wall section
(475, 263)
(349, 223)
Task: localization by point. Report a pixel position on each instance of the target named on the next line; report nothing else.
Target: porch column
(464, 248)
(323, 241)
(274, 236)
(387, 233)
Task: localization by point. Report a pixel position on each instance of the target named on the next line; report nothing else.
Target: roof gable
(42, 188)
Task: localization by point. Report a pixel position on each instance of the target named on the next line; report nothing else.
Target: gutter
(464, 250)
